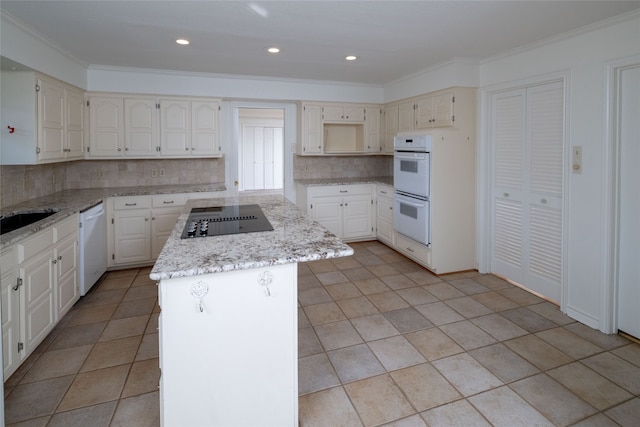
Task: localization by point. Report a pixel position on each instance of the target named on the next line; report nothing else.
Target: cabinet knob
(186, 148)
(55, 261)
(119, 149)
(126, 149)
(505, 194)
(59, 257)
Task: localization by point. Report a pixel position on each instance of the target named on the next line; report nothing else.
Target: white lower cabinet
(346, 210)
(220, 366)
(384, 214)
(39, 290)
(10, 284)
(132, 229)
(139, 226)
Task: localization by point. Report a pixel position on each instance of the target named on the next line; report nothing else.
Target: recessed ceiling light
(182, 41)
(273, 50)
(351, 58)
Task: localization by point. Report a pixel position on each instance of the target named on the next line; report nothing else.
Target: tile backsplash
(311, 167)
(21, 183)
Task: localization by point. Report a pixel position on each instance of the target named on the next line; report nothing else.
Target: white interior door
(527, 139)
(629, 202)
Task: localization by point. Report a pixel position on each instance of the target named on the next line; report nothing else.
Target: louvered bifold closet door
(528, 138)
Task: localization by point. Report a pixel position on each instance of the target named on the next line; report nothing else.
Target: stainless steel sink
(20, 220)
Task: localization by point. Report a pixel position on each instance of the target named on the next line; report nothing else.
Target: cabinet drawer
(413, 249)
(35, 244)
(168, 200)
(8, 259)
(65, 228)
(340, 190)
(131, 202)
(385, 191)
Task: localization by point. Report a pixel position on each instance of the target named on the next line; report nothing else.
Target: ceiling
(392, 39)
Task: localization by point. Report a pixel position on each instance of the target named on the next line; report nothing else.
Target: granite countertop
(387, 180)
(295, 238)
(67, 202)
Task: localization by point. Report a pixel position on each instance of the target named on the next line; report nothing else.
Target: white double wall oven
(411, 182)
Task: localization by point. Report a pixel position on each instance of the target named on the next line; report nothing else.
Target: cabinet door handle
(130, 204)
(167, 202)
(344, 191)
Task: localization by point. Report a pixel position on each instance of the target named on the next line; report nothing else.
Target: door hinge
(158, 106)
(453, 118)
(18, 283)
(112, 221)
(113, 256)
(371, 201)
(88, 149)
(20, 347)
(37, 150)
(87, 103)
(453, 99)
(311, 206)
(37, 87)
(219, 108)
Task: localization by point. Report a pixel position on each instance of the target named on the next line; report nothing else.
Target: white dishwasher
(93, 246)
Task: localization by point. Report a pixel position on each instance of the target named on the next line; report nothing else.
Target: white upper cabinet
(343, 113)
(42, 119)
(106, 128)
(140, 127)
(373, 130)
(175, 127)
(435, 110)
(189, 128)
(427, 111)
(204, 128)
(147, 127)
(339, 129)
(310, 130)
(74, 102)
(390, 127)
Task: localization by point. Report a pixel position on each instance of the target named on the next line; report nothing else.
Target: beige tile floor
(382, 342)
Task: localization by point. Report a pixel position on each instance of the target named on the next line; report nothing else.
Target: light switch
(577, 159)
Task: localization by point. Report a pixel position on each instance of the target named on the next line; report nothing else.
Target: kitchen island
(228, 321)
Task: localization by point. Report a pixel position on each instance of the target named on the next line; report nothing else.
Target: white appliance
(411, 182)
(92, 246)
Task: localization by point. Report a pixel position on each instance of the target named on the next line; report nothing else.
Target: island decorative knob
(199, 290)
(265, 279)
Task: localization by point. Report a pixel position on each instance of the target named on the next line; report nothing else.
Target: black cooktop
(220, 220)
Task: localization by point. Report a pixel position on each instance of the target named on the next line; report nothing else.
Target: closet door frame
(486, 168)
(611, 164)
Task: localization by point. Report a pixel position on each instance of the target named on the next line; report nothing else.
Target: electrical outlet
(154, 173)
(161, 171)
(576, 159)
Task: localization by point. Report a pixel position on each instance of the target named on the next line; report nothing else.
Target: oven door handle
(417, 205)
(410, 156)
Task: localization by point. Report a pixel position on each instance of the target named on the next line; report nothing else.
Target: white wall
(200, 84)
(21, 45)
(584, 58)
(458, 72)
